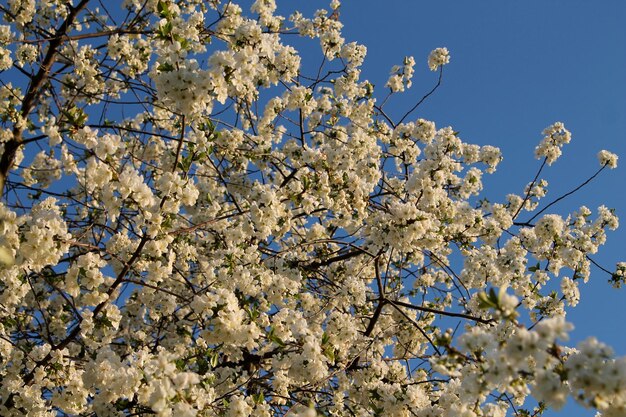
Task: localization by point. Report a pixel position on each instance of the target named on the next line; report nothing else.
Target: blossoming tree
(195, 224)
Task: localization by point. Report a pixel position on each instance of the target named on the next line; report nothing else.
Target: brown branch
(76, 330)
(330, 261)
(567, 194)
(530, 187)
(64, 36)
(417, 326)
(442, 312)
(35, 89)
(425, 97)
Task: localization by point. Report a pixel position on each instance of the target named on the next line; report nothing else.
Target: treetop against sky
(209, 209)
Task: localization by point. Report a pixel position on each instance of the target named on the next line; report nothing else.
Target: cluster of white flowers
(44, 169)
(22, 11)
(132, 52)
(437, 58)
(607, 158)
(26, 54)
(238, 235)
(184, 89)
(5, 54)
(401, 76)
(86, 78)
(555, 136)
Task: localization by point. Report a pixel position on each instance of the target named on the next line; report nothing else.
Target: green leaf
(535, 268)
(271, 336)
(165, 31)
(166, 67)
(213, 358)
(253, 313)
(329, 352)
(490, 300)
(163, 10)
(76, 117)
(203, 366)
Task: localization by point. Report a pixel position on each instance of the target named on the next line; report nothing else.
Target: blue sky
(517, 67)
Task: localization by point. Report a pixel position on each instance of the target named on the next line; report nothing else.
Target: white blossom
(607, 158)
(437, 58)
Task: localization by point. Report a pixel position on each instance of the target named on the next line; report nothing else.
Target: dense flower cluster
(437, 58)
(195, 224)
(607, 158)
(400, 78)
(555, 136)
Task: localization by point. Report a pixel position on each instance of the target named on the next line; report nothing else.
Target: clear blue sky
(516, 67)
